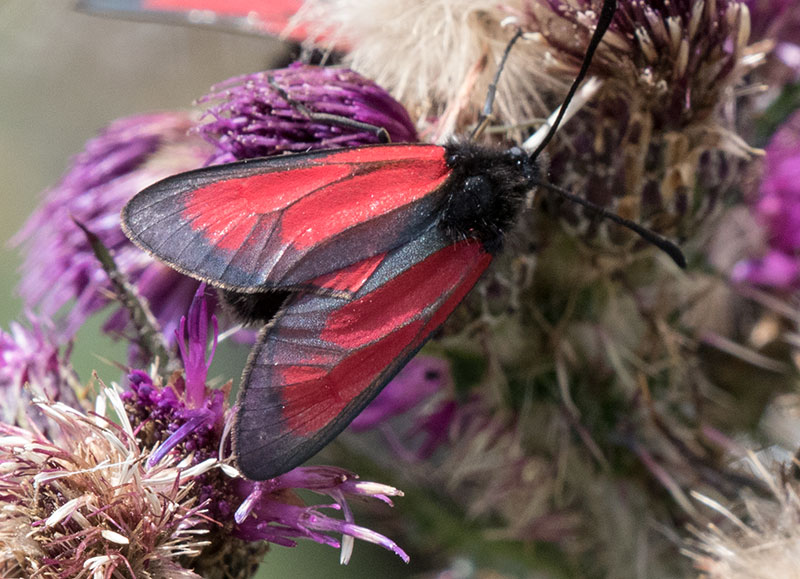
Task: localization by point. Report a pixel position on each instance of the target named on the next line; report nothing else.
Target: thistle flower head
(32, 366)
(778, 209)
(477, 457)
(678, 58)
(184, 416)
(659, 144)
(486, 460)
(267, 113)
(443, 56)
(59, 264)
(86, 504)
(761, 540)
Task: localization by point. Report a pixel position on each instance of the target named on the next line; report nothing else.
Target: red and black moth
(377, 246)
(372, 249)
(271, 17)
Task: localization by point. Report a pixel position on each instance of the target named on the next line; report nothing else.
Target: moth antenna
(381, 133)
(648, 235)
(488, 105)
(603, 22)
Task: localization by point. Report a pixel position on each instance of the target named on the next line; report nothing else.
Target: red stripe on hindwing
(376, 329)
(313, 397)
(324, 358)
(272, 17)
(352, 278)
(368, 319)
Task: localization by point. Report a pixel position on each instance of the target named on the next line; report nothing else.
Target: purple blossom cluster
(60, 267)
(31, 366)
(187, 418)
(268, 113)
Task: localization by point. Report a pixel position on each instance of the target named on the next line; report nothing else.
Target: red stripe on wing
(315, 398)
(376, 329)
(325, 358)
(283, 222)
(226, 211)
(284, 9)
(361, 198)
(271, 16)
(352, 278)
(367, 319)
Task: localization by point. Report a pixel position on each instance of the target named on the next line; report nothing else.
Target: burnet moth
(270, 17)
(374, 246)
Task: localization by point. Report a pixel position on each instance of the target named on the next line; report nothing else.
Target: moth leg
(336, 120)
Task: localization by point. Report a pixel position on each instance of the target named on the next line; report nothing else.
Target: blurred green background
(63, 76)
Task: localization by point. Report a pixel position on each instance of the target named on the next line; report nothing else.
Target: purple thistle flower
(59, 266)
(676, 57)
(30, 366)
(185, 412)
(270, 514)
(778, 208)
(186, 418)
(658, 144)
(251, 118)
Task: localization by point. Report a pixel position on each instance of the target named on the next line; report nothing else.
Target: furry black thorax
(485, 191)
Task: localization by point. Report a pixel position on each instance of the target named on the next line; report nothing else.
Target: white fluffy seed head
(438, 57)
